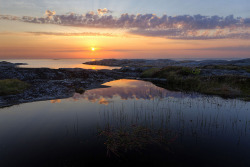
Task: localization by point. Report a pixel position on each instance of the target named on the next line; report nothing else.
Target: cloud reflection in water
(127, 89)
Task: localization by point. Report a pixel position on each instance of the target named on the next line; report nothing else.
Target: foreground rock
(48, 84)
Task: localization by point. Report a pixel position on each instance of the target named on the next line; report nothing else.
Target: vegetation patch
(12, 86)
(124, 140)
(189, 80)
(150, 72)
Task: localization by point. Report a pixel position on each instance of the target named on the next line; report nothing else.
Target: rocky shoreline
(224, 78)
(49, 84)
(140, 65)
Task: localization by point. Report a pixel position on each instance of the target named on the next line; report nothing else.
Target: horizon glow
(124, 29)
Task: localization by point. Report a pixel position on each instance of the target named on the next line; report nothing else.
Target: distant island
(228, 79)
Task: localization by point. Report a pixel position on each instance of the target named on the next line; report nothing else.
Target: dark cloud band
(178, 27)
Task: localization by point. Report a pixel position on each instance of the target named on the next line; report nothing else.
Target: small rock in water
(80, 90)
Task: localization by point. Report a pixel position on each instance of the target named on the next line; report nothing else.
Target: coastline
(50, 84)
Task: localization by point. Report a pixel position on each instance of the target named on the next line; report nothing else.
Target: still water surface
(58, 63)
(194, 130)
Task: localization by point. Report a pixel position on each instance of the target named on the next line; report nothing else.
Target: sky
(124, 29)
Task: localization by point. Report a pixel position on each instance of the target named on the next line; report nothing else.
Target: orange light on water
(55, 101)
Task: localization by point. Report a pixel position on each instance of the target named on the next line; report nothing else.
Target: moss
(189, 80)
(149, 73)
(12, 86)
(170, 71)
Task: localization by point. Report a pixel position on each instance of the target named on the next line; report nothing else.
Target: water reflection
(56, 101)
(131, 115)
(58, 63)
(129, 89)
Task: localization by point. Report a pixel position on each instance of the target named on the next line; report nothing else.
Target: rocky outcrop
(136, 63)
(47, 84)
(166, 62)
(243, 62)
(140, 65)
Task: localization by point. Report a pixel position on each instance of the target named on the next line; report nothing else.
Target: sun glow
(93, 49)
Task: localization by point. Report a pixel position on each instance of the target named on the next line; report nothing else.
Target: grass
(128, 131)
(170, 70)
(12, 86)
(149, 72)
(134, 138)
(189, 80)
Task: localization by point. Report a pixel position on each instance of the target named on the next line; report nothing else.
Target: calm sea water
(72, 63)
(58, 63)
(128, 123)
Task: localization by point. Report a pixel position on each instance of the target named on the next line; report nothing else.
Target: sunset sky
(124, 29)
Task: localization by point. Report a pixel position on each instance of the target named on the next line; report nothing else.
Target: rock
(47, 84)
(79, 90)
(8, 64)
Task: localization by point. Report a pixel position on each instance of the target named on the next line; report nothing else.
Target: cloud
(231, 48)
(194, 34)
(9, 17)
(103, 11)
(197, 27)
(157, 32)
(73, 34)
(106, 50)
(82, 34)
(143, 21)
(50, 14)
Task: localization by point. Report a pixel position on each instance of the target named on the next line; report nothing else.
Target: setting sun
(93, 49)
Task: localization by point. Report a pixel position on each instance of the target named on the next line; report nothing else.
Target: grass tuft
(12, 86)
(149, 73)
(134, 138)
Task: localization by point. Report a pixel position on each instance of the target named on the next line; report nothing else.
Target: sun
(93, 49)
